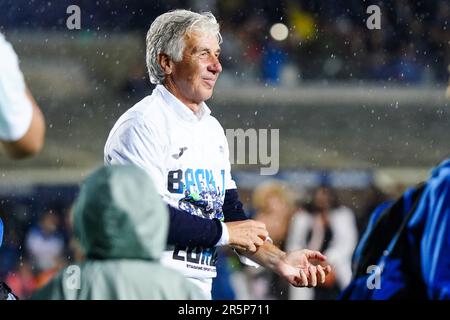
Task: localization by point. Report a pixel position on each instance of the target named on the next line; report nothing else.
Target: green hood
(120, 215)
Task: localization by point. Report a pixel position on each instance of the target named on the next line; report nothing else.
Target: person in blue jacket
(415, 263)
(429, 232)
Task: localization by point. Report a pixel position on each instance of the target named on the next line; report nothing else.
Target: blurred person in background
(44, 242)
(22, 125)
(274, 206)
(406, 245)
(330, 227)
(173, 137)
(274, 59)
(123, 235)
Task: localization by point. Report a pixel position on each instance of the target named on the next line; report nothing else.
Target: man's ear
(165, 62)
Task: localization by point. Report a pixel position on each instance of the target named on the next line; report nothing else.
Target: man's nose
(215, 66)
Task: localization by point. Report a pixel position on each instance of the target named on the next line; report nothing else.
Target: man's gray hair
(166, 35)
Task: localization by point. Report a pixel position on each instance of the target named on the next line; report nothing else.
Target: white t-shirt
(186, 155)
(16, 110)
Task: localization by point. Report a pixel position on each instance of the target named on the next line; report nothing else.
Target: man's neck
(193, 106)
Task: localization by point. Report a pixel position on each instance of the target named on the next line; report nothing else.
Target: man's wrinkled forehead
(197, 41)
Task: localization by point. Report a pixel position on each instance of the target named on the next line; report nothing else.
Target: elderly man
(173, 137)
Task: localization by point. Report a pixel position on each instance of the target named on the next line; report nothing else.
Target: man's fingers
(313, 276)
(321, 272)
(304, 278)
(263, 233)
(259, 242)
(260, 229)
(249, 234)
(251, 247)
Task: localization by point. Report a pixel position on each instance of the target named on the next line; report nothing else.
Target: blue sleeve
(1, 232)
(435, 243)
(232, 207)
(192, 231)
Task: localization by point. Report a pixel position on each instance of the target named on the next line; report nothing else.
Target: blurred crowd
(38, 240)
(328, 40)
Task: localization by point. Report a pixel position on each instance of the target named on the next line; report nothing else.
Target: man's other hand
(246, 235)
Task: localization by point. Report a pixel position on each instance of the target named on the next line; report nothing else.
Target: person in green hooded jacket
(122, 233)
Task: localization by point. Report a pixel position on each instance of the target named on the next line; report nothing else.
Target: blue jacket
(429, 232)
(424, 263)
(1, 232)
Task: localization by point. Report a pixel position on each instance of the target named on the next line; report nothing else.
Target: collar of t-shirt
(180, 108)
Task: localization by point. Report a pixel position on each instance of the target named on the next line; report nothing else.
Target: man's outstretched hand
(303, 268)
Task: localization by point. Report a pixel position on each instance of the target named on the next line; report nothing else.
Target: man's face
(196, 74)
